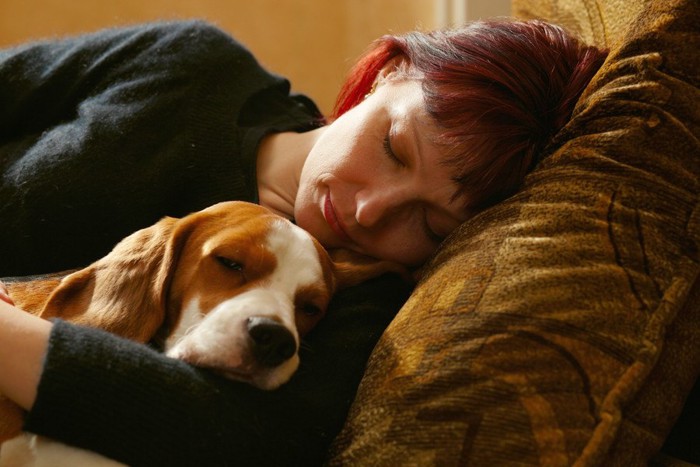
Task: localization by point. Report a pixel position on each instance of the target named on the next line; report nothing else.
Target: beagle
(230, 288)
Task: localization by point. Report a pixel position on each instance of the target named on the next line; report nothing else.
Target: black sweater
(104, 134)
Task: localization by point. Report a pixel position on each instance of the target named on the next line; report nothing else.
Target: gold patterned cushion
(562, 325)
(598, 22)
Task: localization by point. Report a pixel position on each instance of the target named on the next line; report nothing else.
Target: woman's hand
(23, 343)
(4, 296)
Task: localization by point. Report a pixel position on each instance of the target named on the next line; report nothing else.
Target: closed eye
(389, 151)
(229, 263)
(430, 233)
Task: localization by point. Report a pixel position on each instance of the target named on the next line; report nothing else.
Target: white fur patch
(219, 339)
(298, 264)
(191, 316)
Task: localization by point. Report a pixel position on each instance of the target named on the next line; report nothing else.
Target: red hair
(497, 90)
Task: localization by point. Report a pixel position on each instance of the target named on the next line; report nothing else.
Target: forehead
(298, 260)
(267, 243)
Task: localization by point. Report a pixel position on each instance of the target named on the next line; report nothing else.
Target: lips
(332, 219)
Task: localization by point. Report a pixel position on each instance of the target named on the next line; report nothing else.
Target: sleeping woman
(103, 134)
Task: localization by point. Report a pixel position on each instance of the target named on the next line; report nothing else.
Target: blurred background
(311, 42)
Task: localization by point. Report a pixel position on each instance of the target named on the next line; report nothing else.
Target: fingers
(4, 295)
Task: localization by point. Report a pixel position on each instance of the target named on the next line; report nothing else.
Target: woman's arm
(23, 343)
(70, 117)
(104, 134)
(131, 403)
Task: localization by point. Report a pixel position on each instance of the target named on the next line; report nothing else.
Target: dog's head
(231, 288)
(251, 288)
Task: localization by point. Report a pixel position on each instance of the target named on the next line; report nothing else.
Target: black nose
(273, 344)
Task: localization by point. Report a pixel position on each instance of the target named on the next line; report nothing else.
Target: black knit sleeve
(49, 83)
(132, 404)
(103, 134)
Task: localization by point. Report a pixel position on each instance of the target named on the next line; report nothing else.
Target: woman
(106, 133)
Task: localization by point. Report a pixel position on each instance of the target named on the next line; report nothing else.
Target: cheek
(335, 169)
(324, 164)
(342, 151)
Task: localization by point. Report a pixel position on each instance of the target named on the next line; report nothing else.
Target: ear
(353, 268)
(399, 63)
(124, 292)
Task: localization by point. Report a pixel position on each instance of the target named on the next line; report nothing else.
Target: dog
(231, 289)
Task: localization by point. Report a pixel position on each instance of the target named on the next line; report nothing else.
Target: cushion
(598, 22)
(562, 325)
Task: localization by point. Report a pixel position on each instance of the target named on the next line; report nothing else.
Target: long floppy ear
(353, 268)
(124, 292)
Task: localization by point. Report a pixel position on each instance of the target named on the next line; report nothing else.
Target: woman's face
(374, 183)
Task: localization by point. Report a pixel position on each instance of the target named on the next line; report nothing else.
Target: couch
(562, 326)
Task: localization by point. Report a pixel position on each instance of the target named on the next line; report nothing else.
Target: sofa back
(562, 326)
(597, 22)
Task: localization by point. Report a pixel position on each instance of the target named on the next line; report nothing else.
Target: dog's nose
(273, 343)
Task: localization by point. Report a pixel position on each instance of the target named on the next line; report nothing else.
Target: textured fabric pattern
(602, 23)
(562, 326)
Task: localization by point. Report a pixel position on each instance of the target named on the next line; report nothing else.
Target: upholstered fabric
(563, 325)
(598, 22)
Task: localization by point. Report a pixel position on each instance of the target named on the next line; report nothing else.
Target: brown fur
(137, 289)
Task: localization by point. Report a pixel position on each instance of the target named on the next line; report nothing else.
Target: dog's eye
(311, 310)
(229, 263)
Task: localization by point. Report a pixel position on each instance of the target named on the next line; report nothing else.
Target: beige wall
(312, 42)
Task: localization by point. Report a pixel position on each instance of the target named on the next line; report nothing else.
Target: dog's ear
(125, 292)
(353, 268)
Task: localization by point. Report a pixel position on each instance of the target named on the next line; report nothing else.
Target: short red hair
(497, 90)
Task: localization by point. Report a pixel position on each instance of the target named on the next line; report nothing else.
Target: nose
(375, 205)
(273, 343)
